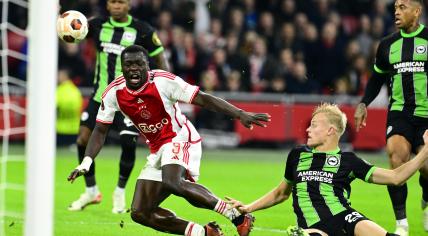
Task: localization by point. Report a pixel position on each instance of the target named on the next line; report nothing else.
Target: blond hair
(334, 115)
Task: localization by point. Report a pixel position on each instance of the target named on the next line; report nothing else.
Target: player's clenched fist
(81, 169)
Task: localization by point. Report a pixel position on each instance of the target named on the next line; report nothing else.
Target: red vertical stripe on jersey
(175, 115)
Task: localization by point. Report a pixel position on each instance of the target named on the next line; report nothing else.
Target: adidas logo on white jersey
(140, 100)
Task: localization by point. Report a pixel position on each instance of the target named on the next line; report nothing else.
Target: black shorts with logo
(410, 127)
(342, 224)
(120, 123)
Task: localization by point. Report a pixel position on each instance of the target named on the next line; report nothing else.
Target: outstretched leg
(367, 227)
(146, 211)
(173, 178)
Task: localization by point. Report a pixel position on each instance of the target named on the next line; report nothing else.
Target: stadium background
(280, 56)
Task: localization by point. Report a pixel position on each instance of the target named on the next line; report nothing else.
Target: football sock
(193, 229)
(92, 190)
(402, 223)
(423, 182)
(127, 158)
(398, 195)
(119, 190)
(222, 208)
(90, 176)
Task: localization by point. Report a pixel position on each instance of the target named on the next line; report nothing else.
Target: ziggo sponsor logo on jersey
(153, 128)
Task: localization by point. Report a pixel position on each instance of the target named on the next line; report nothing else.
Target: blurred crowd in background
(276, 46)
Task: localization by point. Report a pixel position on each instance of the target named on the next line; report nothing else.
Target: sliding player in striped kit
(318, 176)
(149, 100)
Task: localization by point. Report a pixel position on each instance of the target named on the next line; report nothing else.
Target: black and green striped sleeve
(361, 168)
(291, 166)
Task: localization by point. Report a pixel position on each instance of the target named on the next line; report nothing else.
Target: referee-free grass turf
(240, 173)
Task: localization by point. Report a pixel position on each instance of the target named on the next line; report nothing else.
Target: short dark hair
(134, 49)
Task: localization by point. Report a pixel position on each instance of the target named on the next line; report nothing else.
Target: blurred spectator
(287, 11)
(69, 56)
(299, 83)
(331, 62)
(363, 37)
(266, 29)
(263, 67)
(69, 103)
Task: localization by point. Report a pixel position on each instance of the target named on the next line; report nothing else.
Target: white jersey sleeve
(176, 89)
(108, 107)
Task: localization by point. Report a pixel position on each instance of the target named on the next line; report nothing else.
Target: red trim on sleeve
(115, 82)
(194, 95)
(165, 74)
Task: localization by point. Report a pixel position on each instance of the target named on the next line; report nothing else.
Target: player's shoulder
(142, 25)
(424, 33)
(161, 74)
(296, 150)
(348, 154)
(116, 84)
(390, 38)
(97, 20)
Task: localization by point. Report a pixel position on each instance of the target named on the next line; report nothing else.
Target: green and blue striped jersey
(321, 182)
(403, 58)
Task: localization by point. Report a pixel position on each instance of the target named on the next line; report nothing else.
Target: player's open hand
(248, 119)
(360, 116)
(237, 205)
(76, 173)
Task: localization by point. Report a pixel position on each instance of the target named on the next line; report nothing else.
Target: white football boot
(84, 200)
(402, 230)
(119, 204)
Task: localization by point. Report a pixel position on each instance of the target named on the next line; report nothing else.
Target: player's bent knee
(81, 140)
(140, 217)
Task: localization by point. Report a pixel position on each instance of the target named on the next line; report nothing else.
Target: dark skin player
(150, 194)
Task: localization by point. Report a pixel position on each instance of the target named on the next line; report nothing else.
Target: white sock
(119, 190)
(402, 223)
(92, 190)
(224, 209)
(193, 229)
(424, 204)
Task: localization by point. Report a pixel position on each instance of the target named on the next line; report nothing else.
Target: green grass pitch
(242, 174)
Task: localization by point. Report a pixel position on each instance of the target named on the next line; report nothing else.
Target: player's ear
(331, 130)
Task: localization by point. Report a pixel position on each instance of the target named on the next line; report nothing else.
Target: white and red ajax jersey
(153, 108)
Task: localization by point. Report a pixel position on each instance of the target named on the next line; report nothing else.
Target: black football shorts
(410, 127)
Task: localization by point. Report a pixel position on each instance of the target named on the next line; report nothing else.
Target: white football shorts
(185, 154)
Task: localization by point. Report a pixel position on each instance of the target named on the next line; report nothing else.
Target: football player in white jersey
(149, 99)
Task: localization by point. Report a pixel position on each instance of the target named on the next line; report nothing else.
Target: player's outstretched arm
(400, 175)
(217, 104)
(94, 146)
(370, 93)
(277, 195)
